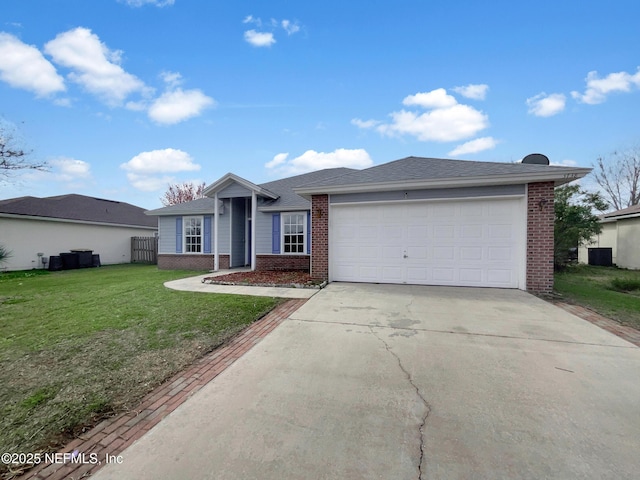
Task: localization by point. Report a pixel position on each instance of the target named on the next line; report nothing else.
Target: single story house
(34, 228)
(621, 233)
(415, 220)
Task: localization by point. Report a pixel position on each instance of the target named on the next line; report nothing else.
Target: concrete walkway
(390, 381)
(194, 284)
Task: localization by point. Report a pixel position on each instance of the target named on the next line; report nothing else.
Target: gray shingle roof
(284, 187)
(632, 210)
(199, 206)
(421, 168)
(79, 208)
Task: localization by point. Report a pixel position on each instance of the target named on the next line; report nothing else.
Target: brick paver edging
(113, 435)
(627, 333)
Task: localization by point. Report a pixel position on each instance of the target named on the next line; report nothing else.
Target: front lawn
(610, 291)
(78, 345)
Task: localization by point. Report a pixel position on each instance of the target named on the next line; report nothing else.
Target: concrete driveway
(407, 382)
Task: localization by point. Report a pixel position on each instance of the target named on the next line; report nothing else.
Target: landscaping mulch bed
(268, 278)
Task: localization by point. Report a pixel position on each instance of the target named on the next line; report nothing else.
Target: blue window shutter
(178, 234)
(275, 233)
(309, 232)
(207, 234)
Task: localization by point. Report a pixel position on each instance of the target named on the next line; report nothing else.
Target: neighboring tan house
(416, 220)
(33, 228)
(621, 233)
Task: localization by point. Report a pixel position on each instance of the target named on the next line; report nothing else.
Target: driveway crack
(427, 407)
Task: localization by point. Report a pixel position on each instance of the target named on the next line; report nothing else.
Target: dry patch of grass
(79, 345)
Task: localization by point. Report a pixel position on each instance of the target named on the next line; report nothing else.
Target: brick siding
(190, 262)
(320, 237)
(282, 262)
(540, 220)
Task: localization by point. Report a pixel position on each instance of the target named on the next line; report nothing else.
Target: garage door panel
(443, 275)
(392, 274)
(470, 275)
(497, 232)
(473, 254)
(463, 242)
(443, 232)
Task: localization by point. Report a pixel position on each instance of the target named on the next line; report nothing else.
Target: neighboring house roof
(78, 208)
(624, 212)
(194, 207)
(287, 198)
(416, 172)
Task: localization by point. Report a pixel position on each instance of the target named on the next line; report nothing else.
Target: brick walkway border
(115, 434)
(627, 333)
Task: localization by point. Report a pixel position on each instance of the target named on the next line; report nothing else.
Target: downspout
(254, 213)
(216, 260)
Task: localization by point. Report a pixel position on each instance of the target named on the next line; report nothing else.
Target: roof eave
(559, 178)
(71, 220)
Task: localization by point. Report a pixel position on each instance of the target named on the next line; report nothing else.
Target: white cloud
(440, 125)
(259, 39)
(444, 121)
(172, 79)
(473, 91)
(565, 163)
(543, 105)
(598, 88)
(24, 66)
(311, 160)
(143, 169)
(474, 146)
(279, 159)
(161, 161)
(149, 183)
(140, 3)
(364, 123)
(438, 98)
(94, 66)
(252, 19)
(289, 27)
(179, 105)
(69, 169)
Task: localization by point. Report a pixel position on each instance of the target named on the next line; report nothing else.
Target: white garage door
(467, 242)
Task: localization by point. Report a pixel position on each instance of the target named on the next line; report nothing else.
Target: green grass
(76, 345)
(607, 290)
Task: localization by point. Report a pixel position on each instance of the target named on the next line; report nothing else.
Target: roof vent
(536, 159)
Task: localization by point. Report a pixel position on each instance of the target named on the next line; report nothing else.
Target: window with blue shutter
(275, 233)
(207, 234)
(178, 234)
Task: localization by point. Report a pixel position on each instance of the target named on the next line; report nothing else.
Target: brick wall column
(320, 237)
(540, 220)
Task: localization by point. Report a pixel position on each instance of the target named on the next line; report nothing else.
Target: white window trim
(304, 233)
(184, 234)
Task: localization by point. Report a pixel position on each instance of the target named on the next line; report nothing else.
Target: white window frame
(200, 218)
(283, 216)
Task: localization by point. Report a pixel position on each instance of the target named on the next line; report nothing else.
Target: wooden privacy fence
(144, 250)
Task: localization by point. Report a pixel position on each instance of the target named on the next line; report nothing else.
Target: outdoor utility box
(602, 256)
(85, 257)
(70, 260)
(55, 263)
(95, 260)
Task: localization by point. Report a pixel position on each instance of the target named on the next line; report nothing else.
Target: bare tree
(12, 156)
(182, 192)
(619, 177)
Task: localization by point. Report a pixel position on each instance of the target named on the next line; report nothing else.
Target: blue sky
(122, 97)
